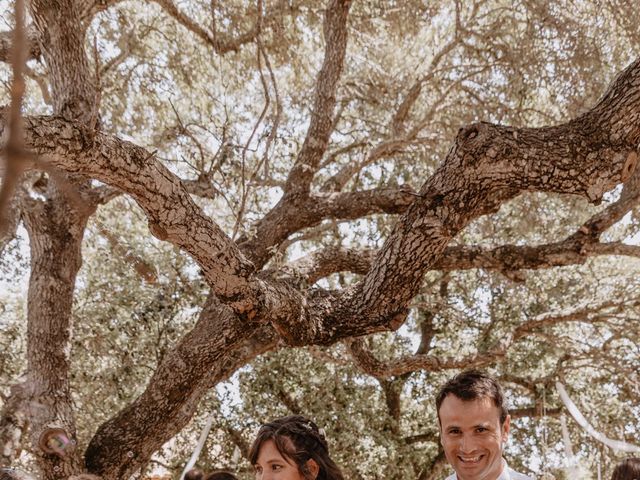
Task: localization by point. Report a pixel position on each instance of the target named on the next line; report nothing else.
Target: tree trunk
(55, 228)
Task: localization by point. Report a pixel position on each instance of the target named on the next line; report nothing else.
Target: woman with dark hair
(628, 469)
(292, 448)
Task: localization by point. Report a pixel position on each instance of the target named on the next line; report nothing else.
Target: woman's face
(273, 466)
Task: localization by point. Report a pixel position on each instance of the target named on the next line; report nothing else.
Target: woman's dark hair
(628, 469)
(472, 385)
(298, 439)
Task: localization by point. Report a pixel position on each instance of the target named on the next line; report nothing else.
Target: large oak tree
(261, 140)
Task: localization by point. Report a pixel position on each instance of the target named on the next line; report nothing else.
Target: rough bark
(56, 226)
(488, 165)
(172, 213)
(507, 259)
(62, 42)
(55, 232)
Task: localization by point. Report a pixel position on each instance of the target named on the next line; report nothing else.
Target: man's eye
(481, 429)
(454, 432)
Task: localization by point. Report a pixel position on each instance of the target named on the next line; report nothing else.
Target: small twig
(276, 121)
(243, 186)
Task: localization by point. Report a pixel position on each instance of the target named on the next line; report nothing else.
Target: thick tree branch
(506, 259)
(172, 213)
(55, 234)
(488, 165)
(218, 345)
(73, 86)
(308, 211)
(352, 205)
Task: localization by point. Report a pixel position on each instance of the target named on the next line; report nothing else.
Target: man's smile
(470, 460)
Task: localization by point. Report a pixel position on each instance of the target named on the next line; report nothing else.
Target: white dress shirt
(507, 474)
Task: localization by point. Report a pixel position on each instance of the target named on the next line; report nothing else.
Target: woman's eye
(277, 467)
(257, 469)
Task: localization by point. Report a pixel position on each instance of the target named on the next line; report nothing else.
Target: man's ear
(313, 468)
(506, 426)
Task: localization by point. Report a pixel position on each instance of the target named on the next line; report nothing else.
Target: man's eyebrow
(482, 425)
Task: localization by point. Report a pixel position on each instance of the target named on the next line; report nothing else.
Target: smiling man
(474, 426)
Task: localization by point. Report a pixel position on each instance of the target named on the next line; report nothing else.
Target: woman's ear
(313, 468)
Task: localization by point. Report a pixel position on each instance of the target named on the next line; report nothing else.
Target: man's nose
(467, 444)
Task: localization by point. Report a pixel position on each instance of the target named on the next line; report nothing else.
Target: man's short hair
(472, 385)
(194, 474)
(221, 475)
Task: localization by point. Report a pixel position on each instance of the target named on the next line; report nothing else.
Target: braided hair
(299, 439)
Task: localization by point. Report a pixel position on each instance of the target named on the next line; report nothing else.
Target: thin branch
(244, 186)
(276, 121)
(367, 361)
(220, 46)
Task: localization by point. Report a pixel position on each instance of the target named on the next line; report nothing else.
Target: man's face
(472, 437)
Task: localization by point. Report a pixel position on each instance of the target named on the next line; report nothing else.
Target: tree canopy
(240, 210)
